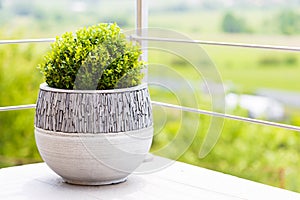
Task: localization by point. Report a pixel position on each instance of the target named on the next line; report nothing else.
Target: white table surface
(177, 181)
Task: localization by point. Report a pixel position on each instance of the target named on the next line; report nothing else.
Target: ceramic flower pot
(93, 137)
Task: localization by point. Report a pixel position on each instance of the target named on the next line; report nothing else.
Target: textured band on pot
(106, 111)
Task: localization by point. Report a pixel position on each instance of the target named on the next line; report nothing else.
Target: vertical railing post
(141, 28)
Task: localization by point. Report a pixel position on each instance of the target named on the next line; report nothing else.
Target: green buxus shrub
(97, 57)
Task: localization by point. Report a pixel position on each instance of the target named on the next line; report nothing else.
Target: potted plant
(93, 121)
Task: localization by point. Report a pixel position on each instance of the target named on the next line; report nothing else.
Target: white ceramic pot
(93, 137)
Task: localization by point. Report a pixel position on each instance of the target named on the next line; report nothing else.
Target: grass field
(248, 69)
(253, 69)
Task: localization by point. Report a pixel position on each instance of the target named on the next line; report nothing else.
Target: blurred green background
(260, 153)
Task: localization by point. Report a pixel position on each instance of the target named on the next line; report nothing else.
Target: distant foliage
(121, 21)
(19, 81)
(23, 8)
(289, 22)
(97, 57)
(233, 24)
(275, 61)
(260, 153)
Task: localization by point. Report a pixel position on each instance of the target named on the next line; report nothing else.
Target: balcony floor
(176, 181)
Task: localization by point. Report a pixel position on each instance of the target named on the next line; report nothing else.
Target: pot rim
(45, 87)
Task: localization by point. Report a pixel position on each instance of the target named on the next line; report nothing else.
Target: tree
(233, 24)
(289, 22)
(23, 8)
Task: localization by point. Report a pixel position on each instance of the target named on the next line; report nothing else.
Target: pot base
(96, 183)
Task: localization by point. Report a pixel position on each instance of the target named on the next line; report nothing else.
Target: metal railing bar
(19, 107)
(244, 45)
(204, 42)
(188, 109)
(27, 41)
(233, 117)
